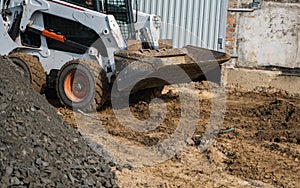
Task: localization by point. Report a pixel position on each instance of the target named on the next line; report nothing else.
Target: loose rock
(37, 148)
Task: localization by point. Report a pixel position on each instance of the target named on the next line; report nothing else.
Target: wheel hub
(76, 86)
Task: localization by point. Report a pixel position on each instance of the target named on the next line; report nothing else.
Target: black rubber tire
(97, 81)
(32, 69)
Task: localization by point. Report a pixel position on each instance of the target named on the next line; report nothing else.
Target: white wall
(191, 22)
(270, 36)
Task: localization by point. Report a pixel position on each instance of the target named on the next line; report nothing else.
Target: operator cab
(122, 10)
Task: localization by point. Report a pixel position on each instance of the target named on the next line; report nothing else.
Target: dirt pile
(265, 143)
(277, 121)
(36, 147)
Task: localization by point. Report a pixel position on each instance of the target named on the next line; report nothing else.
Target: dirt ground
(260, 146)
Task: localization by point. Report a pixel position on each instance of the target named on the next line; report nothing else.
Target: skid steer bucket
(155, 68)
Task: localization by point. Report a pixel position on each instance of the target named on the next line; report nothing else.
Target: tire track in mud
(290, 151)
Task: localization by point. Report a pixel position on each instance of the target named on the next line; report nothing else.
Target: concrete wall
(270, 36)
(259, 81)
(266, 37)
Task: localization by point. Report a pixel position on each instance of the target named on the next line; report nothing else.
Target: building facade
(262, 36)
(256, 32)
(191, 22)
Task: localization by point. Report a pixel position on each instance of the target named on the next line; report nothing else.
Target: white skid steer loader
(78, 48)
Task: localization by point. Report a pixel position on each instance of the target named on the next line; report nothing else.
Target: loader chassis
(63, 35)
(81, 48)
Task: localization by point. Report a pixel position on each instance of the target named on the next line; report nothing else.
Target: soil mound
(37, 149)
(278, 111)
(278, 121)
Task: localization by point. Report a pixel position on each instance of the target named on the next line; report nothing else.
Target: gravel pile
(37, 149)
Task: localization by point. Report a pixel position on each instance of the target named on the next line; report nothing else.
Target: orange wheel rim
(76, 86)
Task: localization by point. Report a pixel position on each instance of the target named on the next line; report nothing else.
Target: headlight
(157, 21)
